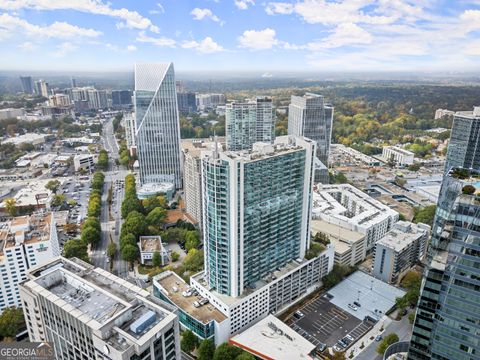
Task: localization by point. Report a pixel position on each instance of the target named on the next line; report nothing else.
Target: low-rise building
(349, 246)
(352, 155)
(11, 113)
(399, 250)
(29, 138)
(350, 208)
(148, 246)
(440, 113)
(400, 156)
(25, 242)
(90, 312)
(84, 162)
(270, 338)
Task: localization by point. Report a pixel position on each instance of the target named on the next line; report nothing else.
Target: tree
(226, 352)
(102, 162)
(189, 341)
(111, 250)
(70, 228)
(175, 256)
(90, 235)
(11, 321)
(338, 356)
(129, 253)
(127, 239)
(206, 350)
(386, 342)
(153, 202)
(192, 240)
(314, 251)
(245, 356)
(156, 219)
(58, 200)
(135, 224)
(75, 248)
(411, 317)
(424, 215)
(156, 259)
(414, 167)
(194, 260)
(335, 276)
(130, 204)
(53, 186)
(11, 206)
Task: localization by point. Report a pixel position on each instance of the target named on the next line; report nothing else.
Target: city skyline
(313, 35)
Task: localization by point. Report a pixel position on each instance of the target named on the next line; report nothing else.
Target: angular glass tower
(257, 209)
(309, 116)
(447, 322)
(249, 122)
(157, 124)
(464, 147)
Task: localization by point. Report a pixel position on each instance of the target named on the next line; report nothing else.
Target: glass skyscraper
(310, 116)
(249, 122)
(257, 209)
(157, 124)
(464, 147)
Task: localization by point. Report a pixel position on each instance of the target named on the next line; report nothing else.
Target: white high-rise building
(97, 99)
(130, 129)
(25, 242)
(249, 122)
(157, 124)
(310, 116)
(60, 100)
(89, 313)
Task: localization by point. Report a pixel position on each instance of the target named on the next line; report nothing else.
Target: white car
(104, 253)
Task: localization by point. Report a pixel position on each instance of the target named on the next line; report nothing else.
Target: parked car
(378, 338)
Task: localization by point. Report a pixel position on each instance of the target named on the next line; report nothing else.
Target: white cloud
(244, 4)
(28, 46)
(206, 46)
(279, 8)
(200, 14)
(267, 75)
(59, 30)
(130, 19)
(131, 48)
(160, 41)
(64, 49)
(160, 10)
(343, 34)
(258, 39)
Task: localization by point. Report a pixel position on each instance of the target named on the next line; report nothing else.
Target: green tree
(424, 215)
(192, 240)
(153, 202)
(174, 256)
(58, 200)
(130, 204)
(335, 276)
(314, 251)
(90, 235)
(129, 253)
(135, 224)
(338, 356)
(156, 259)
(11, 321)
(102, 162)
(53, 186)
(11, 206)
(189, 341)
(245, 356)
(386, 342)
(194, 260)
(127, 238)
(111, 250)
(75, 248)
(411, 317)
(156, 219)
(206, 350)
(226, 352)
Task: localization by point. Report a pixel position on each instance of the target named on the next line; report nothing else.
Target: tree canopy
(11, 321)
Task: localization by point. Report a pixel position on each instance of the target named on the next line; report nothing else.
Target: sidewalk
(384, 322)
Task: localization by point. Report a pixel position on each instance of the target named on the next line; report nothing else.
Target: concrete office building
(97, 99)
(399, 250)
(157, 124)
(399, 156)
(89, 313)
(148, 246)
(209, 101)
(130, 124)
(256, 208)
(85, 162)
(350, 246)
(311, 117)
(187, 103)
(463, 150)
(27, 84)
(249, 122)
(25, 242)
(447, 322)
(348, 207)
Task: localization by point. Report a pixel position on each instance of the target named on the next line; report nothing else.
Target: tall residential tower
(257, 209)
(249, 122)
(157, 124)
(311, 117)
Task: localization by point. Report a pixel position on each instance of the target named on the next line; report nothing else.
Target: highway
(111, 221)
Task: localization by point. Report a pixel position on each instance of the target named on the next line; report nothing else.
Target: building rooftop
(475, 114)
(335, 231)
(150, 243)
(28, 137)
(402, 235)
(34, 193)
(175, 286)
(270, 338)
(345, 204)
(400, 150)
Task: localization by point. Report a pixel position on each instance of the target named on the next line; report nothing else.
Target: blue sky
(243, 35)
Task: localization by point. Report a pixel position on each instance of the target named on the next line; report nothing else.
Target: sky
(241, 35)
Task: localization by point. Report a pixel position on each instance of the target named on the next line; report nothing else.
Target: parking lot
(322, 322)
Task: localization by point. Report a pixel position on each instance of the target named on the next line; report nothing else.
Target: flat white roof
(270, 338)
